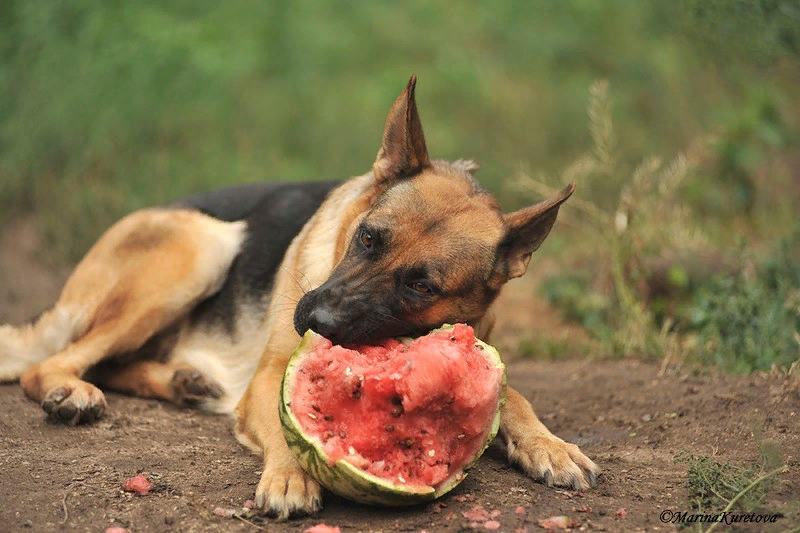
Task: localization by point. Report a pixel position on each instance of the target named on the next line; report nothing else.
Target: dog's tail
(21, 347)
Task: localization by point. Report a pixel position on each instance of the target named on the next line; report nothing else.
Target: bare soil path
(628, 419)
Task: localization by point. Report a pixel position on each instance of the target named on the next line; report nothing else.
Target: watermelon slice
(393, 424)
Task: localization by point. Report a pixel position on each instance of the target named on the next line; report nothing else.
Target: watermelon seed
(397, 410)
(348, 371)
(315, 407)
(478, 346)
(423, 431)
(328, 418)
(405, 443)
(356, 394)
(461, 436)
(351, 450)
(453, 338)
(342, 434)
(312, 416)
(431, 453)
(400, 477)
(390, 428)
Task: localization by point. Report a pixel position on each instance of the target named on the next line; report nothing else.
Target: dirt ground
(628, 419)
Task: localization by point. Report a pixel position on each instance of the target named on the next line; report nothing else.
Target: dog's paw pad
(81, 403)
(191, 387)
(288, 492)
(555, 462)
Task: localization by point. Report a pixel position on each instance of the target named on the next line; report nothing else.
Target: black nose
(324, 322)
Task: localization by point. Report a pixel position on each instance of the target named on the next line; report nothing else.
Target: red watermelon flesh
(409, 414)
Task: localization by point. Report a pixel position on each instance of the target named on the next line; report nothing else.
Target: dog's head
(432, 248)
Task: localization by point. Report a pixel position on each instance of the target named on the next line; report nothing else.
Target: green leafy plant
(750, 320)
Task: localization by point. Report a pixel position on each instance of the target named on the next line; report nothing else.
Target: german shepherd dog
(202, 302)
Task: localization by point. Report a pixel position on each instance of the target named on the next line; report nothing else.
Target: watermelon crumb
(322, 528)
(413, 414)
(224, 513)
(477, 513)
(491, 524)
(116, 530)
(558, 522)
(138, 484)
(520, 510)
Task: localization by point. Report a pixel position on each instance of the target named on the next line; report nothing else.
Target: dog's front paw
(554, 461)
(190, 388)
(75, 402)
(287, 491)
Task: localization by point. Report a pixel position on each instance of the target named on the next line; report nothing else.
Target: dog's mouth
(360, 333)
(351, 326)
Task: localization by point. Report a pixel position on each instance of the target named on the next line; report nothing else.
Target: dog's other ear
(402, 153)
(526, 229)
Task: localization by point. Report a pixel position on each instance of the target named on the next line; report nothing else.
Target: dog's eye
(366, 238)
(419, 286)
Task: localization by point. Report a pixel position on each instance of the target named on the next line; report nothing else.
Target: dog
(202, 302)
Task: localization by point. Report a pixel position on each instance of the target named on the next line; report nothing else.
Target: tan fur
(145, 273)
(134, 289)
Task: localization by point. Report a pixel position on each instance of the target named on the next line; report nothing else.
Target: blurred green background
(108, 106)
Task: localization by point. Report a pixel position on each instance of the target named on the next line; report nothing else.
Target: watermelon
(392, 424)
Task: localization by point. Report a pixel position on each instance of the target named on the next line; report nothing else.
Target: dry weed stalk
(646, 220)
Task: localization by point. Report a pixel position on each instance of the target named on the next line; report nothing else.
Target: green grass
(550, 348)
(715, 487)
(749, 321)
(109, 106)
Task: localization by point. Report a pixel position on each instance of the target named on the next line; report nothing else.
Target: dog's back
(275, 213)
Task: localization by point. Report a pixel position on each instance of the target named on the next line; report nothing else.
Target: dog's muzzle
(317, 311)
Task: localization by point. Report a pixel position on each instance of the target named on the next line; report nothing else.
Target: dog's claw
(261, 500)
(548, 478)
(92, 414)
(67, 412)
(57, 396)
(592, 479)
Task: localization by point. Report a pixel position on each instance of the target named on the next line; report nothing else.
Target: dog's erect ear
(526, 229)
(402, 153)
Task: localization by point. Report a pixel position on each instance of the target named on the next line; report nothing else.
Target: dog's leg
(284, 487)
(541, 454)
(182, 385)
(144, 274)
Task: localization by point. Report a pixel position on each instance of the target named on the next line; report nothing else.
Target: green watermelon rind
(351, 482)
